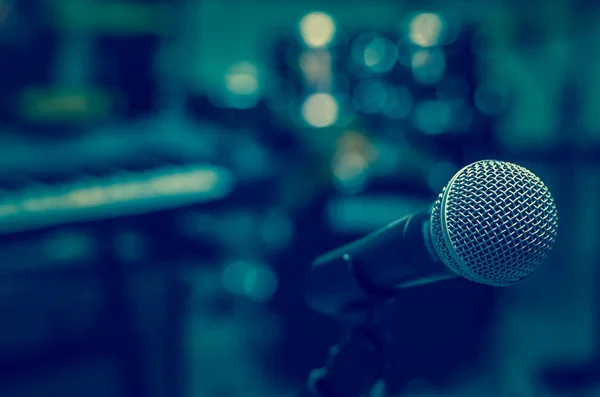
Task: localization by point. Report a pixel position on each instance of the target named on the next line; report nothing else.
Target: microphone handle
(375, 266)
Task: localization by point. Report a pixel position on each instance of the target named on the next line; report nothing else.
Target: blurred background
(169, 169)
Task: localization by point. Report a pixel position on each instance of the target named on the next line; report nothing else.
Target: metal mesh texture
(500, 221)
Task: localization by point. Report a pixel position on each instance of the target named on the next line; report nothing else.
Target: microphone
(493, 224)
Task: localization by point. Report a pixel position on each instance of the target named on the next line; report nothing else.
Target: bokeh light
(317, 69)
(242, 84)
(317, 29)
(380, 55)
(425, 30)
(320, 110)
(352, 160)
(350, 171)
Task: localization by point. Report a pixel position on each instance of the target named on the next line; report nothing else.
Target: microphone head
(494, 223)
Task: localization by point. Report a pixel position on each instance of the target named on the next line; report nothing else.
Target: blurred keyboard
(106, 174)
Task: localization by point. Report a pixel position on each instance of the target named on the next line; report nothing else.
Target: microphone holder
(358, 362)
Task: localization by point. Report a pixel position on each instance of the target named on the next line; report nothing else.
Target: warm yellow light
(425, 29)
(317, 29)
(320, 110)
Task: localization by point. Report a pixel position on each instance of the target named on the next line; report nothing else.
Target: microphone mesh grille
(494, 223)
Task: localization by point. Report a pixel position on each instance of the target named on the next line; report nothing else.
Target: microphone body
(493, 224)
(400, 255)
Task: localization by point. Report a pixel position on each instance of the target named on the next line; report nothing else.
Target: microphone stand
(359, 361)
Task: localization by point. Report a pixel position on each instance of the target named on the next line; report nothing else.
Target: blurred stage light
(316, 67)
(425, 30)
(253, 281)
(433, 117)
(242, 79)
(380, 55)
(428, 65)
(317, 29)
(353, 141)
(242, 85)
(373, 53)
(320, 110)
(351, 171)
(359, 45)
(352, 160)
